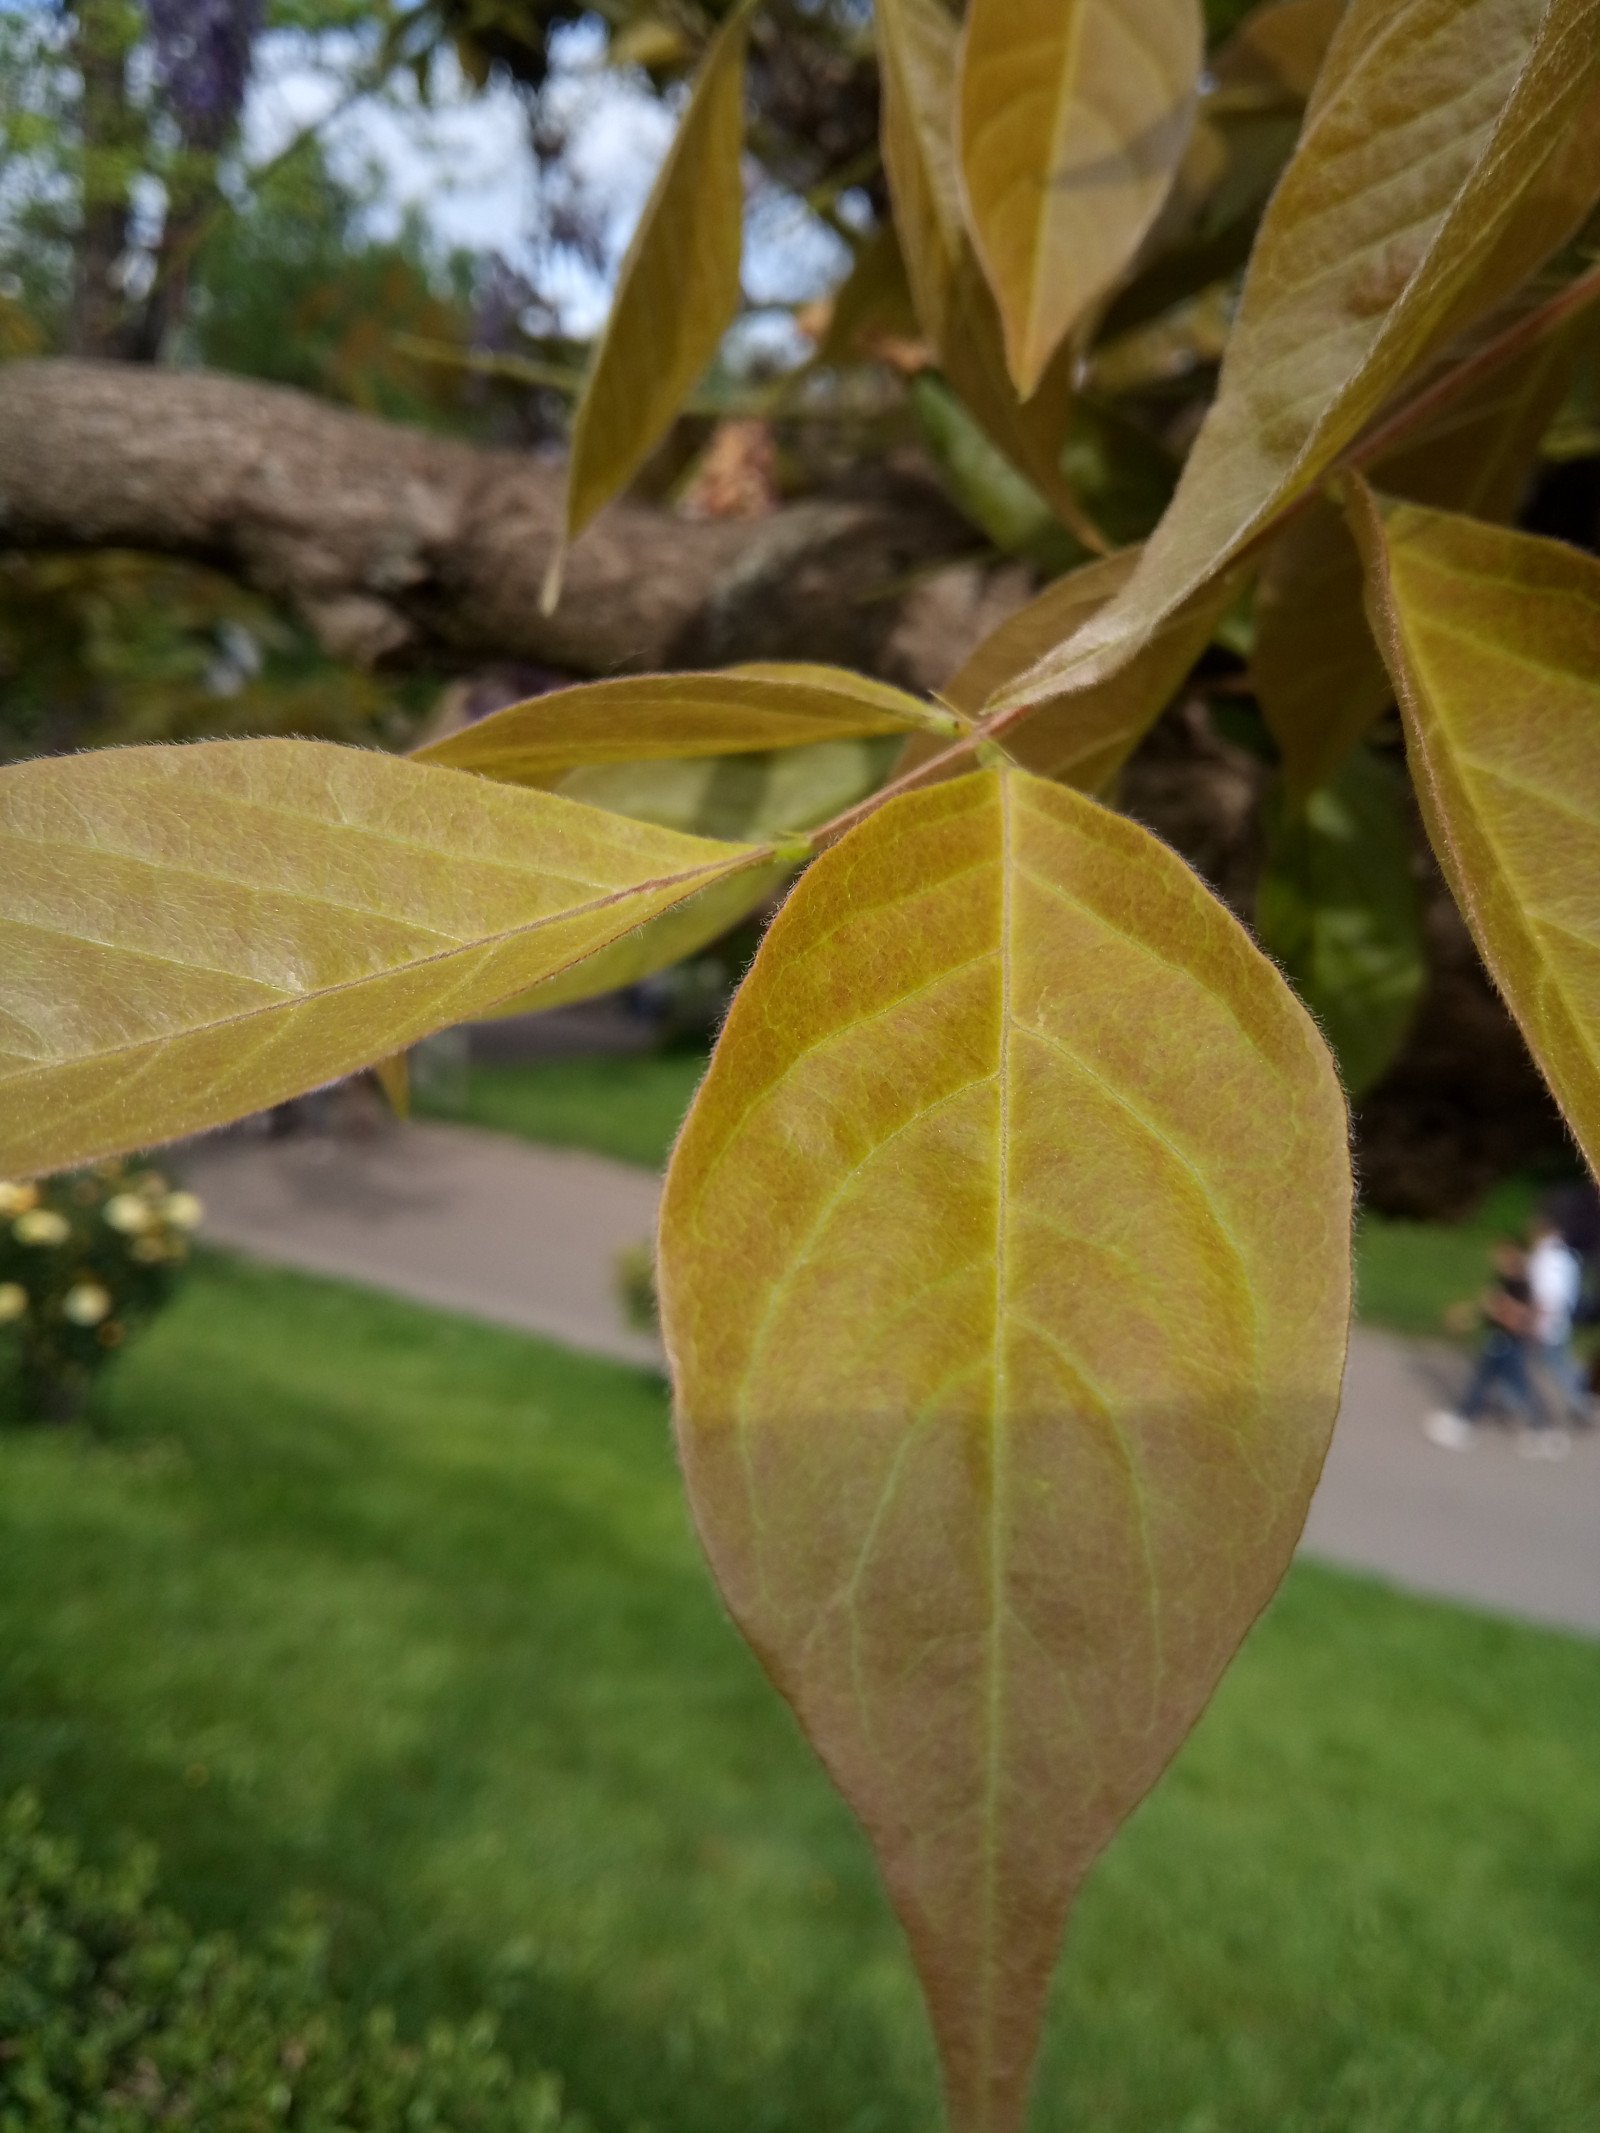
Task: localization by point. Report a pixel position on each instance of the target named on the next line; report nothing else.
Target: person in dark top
(1507, 1315)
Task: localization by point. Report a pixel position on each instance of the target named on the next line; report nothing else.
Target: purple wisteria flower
(203, 50)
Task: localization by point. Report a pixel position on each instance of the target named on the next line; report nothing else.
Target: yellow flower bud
(41, 1225)
(182, 1210)
(13, 1302)
(85, 1303)
(129, 1212)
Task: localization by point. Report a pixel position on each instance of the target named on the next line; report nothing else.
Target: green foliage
(297, 290)
(85, 1260)
(116, 2017)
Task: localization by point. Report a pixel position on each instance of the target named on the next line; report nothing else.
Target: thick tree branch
(393, 544)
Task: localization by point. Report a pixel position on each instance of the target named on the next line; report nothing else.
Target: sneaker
(1545, 1444)
(1451, 1432)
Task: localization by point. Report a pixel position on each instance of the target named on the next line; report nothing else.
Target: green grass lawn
(629, 1107)
(404, 1612)
(1408, 1274)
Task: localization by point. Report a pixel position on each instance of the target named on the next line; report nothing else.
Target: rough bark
(394, 544)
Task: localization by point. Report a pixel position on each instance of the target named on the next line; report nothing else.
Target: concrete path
(528, 1237)
(474, 1222)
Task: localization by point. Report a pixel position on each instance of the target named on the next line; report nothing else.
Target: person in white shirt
(1555, 1280)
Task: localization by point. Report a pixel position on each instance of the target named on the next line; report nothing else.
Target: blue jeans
(1502, 1367)
(1560, 1365)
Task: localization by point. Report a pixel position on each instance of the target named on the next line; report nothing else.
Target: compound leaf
(1337, 908)
(1084, 738)
(190, 934)
(1001, 1436)
(676, 294)
(1073, 117)
(651, 717)
(1493, 644)
(1433, 174)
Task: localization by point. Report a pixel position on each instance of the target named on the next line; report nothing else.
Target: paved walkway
(528, 1237)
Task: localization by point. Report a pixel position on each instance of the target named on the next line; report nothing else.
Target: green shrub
(115, 2017)
(84, 1259)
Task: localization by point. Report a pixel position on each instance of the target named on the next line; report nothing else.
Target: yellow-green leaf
(678, 933)
(1433, 136)
(1337, 908)
(190, 934)
(918, 47)
(650, 717)
(677, 291)
(1319, 675)
(1493, 643)
(1004, 1274)
(1073, 115)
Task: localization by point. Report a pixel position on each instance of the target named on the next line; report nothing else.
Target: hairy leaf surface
(650, 717)
(1337, 908)
(1073, 117)
(190, 934)
(1420, 196)
(677, 291)
(1005, 1279)
(1317, 669)
(1493, 643)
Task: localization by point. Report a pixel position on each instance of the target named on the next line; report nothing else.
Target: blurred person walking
(1506, 1311)
(1555, 1281)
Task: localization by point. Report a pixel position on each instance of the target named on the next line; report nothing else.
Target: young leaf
(1493, 643)
(1085, 738)
(676, 294)
(1417, 199)
(1000, 1436)
(1317, 671)
(1073, 116)
(190, 934)
(1337, 908)
(650, 717)
(917, 46)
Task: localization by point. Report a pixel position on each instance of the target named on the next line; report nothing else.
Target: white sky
(466, 164)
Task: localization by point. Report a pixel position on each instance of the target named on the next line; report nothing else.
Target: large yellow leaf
(650, 717)
(677, 291)
(1073, 116)
(1005, 1280)
(189, 934)
(917, 47)
(1317, 670)
(1493, 643)
(1420, 195)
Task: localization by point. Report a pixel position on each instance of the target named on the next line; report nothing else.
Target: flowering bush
(84, 1258)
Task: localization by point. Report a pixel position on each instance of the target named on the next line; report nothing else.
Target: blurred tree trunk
(101, 42)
